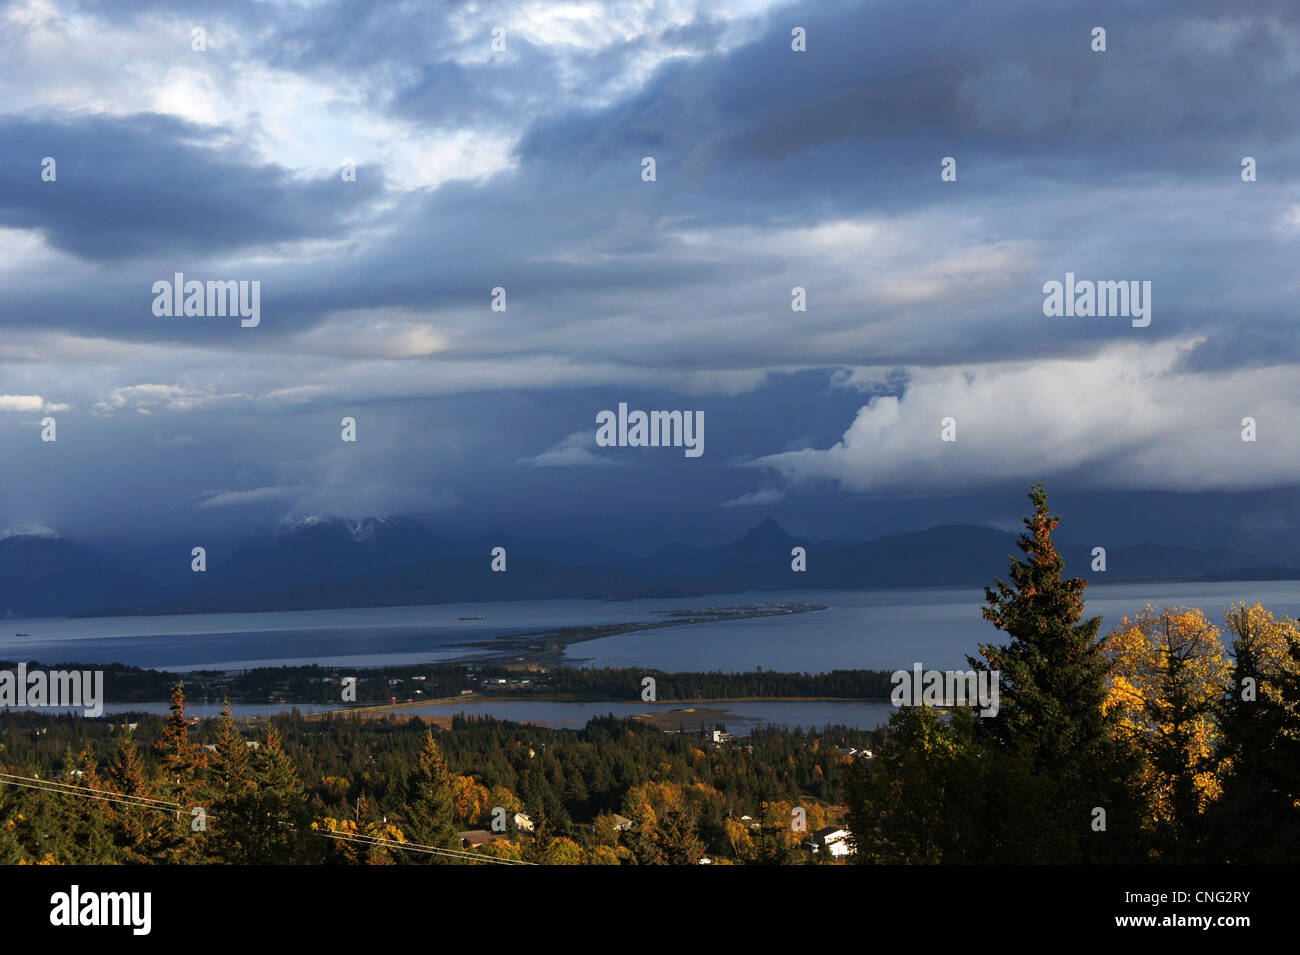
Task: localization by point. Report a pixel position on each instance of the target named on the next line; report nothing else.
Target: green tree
(431, 810)
(676, 838)
(269, 822)
(232, 790)
(1257, 817)
(180, 763)
(133, 822)
(1053, 678)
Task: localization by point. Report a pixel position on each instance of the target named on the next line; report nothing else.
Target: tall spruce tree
(229, 768)
(95, 838)
(232, 790)
(1053, 679)
(180, 762)
(133, 823)
(430, 805)
(279, 823)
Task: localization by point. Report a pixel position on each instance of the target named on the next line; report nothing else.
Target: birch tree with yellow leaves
(1169, 672)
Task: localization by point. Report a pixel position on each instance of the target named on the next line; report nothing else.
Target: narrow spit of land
(547, 648)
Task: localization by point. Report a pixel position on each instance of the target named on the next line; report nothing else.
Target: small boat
(472, 618)
(22, 634)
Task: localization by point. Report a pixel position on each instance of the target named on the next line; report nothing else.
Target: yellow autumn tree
(501, 849)
(1170, 668)
(506, 800)
(355, 841)
(603, 855)
(778, 821)
(563, 851)
(737, 832)
(470, 800)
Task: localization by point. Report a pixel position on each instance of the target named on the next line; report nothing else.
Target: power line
(172, 808)
(364, 839)
(144, 800)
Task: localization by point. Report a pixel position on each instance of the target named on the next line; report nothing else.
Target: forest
(346, 790)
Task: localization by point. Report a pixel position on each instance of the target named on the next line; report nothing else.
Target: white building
(833, 839)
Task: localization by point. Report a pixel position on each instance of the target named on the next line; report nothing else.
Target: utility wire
(172, 808)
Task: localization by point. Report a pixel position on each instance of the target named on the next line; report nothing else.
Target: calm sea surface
(886, 629)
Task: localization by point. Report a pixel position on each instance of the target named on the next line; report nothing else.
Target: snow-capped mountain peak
(365, 528)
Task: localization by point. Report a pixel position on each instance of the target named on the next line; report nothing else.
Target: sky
(228, 155)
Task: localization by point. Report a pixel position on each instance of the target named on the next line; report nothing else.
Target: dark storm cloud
(1115, 165)
(1013, 91)
(139, 184)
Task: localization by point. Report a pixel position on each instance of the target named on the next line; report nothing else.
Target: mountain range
(324, 562)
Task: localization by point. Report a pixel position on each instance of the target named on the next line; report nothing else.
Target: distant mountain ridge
(43, 575)
(322, 550)
(326, 562)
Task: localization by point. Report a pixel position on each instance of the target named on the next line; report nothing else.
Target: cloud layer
(479, 168)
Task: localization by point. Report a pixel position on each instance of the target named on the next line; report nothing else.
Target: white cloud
(29, 404)
(767, 495)
(1127, 417)
(257, 495)
(573, 451)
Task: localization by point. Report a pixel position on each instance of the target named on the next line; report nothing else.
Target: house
(622, 823)
(522, 822)
(475, 838)
(719, 737)
(834, 839)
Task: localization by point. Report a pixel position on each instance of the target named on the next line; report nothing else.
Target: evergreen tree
(92, 838)
(179, 759)
(229, 769)
(282, 809)
(676, 839)
(179, 765)
(133, 824)
(232, 790)
(1257, 817)
(1053, 689)
(430, 805)
(269, 821)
